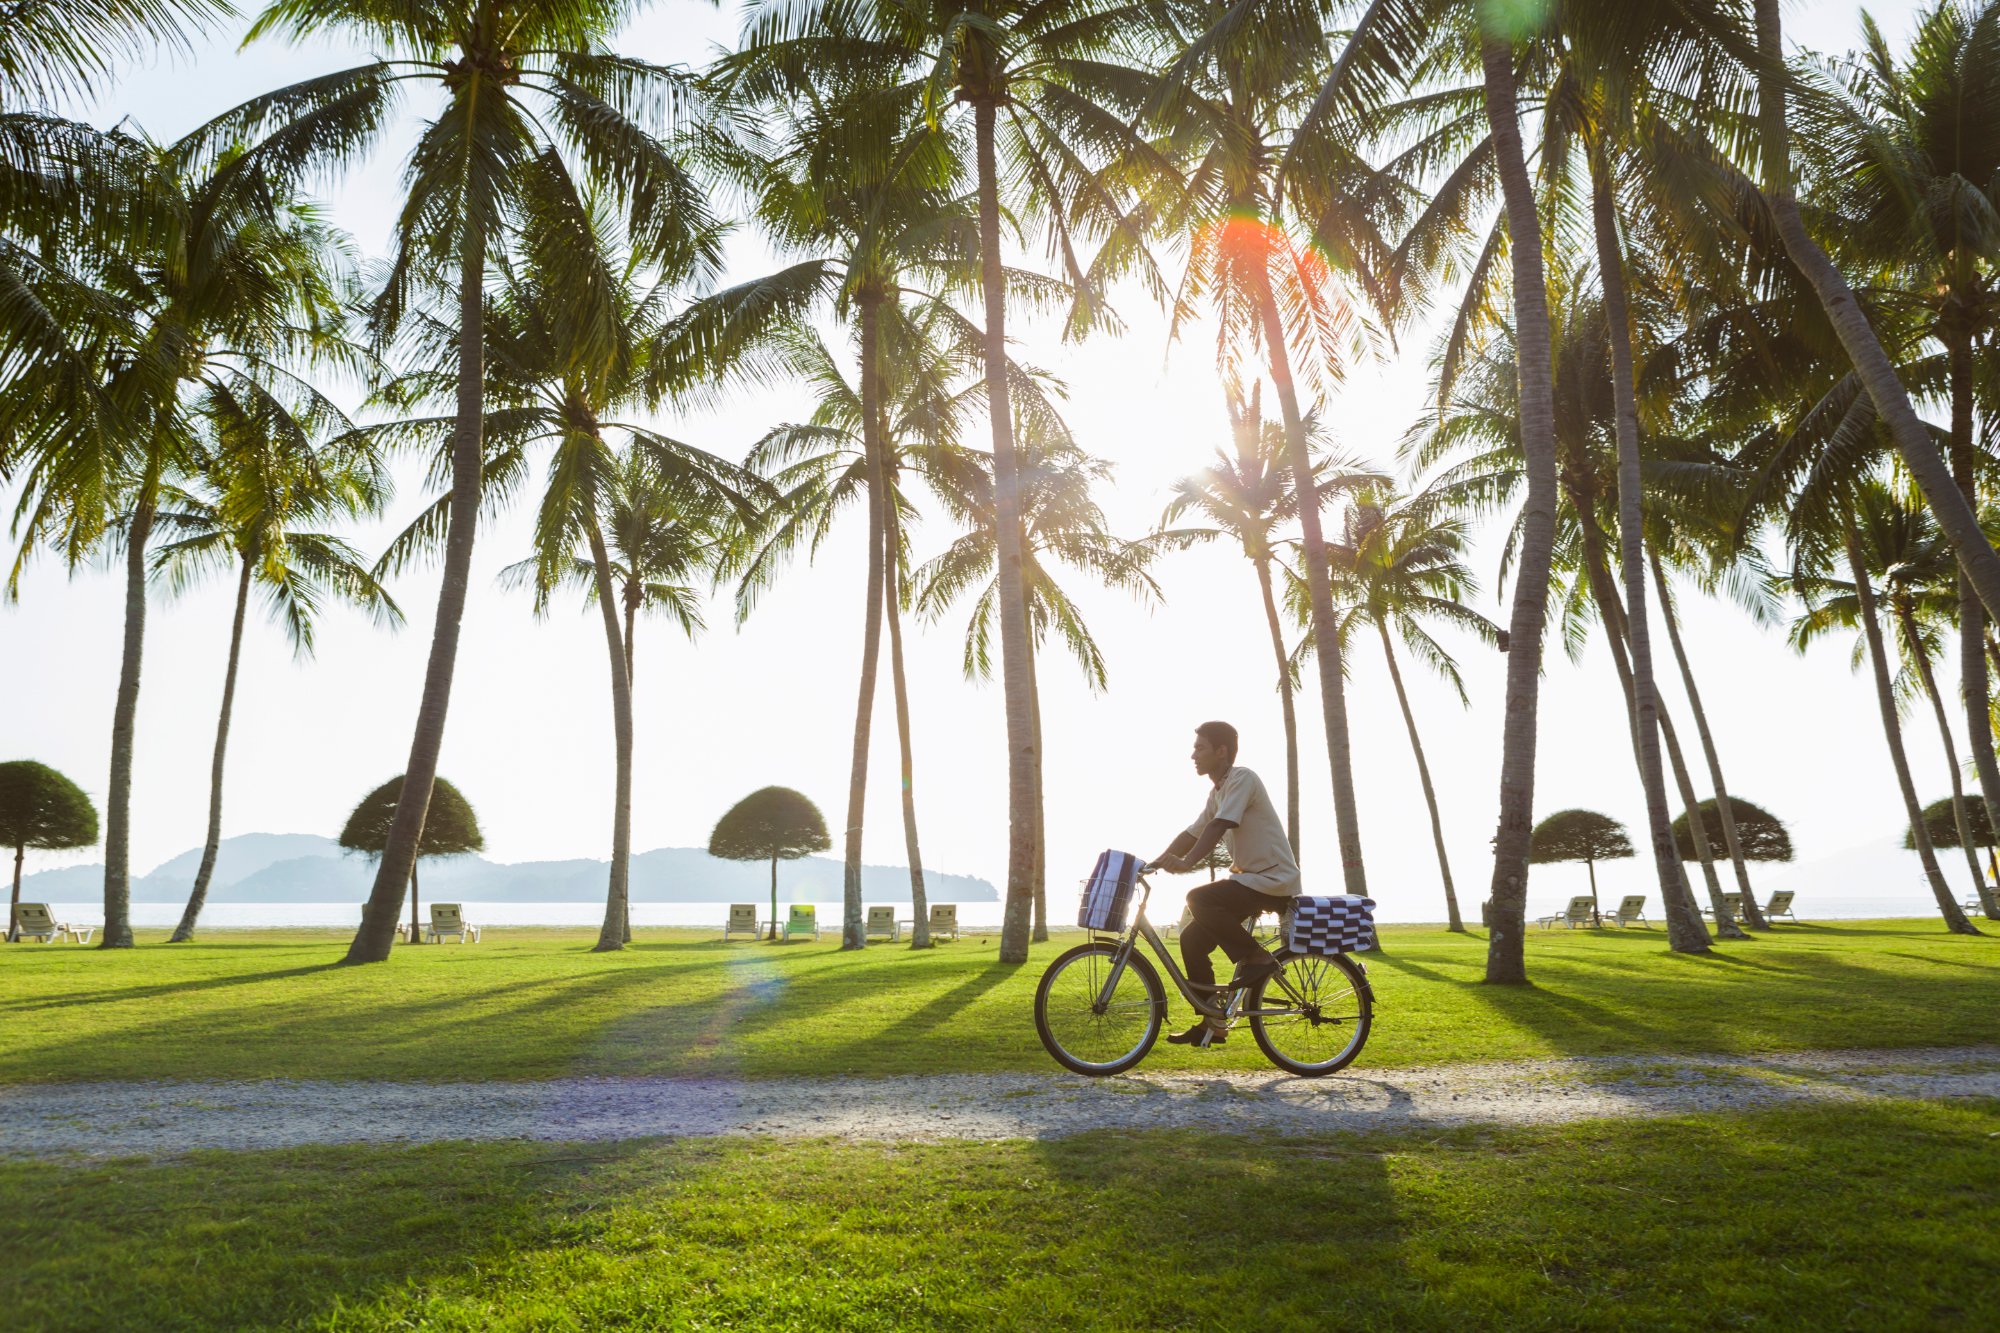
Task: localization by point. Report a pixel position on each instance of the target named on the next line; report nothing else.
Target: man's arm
(1187, 852)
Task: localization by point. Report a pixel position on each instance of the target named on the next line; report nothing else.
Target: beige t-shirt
(1260, 853)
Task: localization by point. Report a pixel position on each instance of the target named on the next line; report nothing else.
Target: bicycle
(1311, 1018)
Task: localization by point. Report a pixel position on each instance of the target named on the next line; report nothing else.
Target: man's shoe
(1256, 970)
(1192, 1037)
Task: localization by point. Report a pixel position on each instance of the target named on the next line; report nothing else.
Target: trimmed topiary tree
(1579, 835)
(1943, 826)
(772, 824)
(40, 808)
(1761, 834)
(450, 829)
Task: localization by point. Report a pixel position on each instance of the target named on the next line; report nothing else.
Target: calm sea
(1905, 900)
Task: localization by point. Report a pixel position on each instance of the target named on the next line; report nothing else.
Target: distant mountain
(306, 868)
(242, 856)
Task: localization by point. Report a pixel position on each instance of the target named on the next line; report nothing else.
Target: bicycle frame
(1231, 1000)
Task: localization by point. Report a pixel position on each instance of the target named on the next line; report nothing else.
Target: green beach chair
(804, 920)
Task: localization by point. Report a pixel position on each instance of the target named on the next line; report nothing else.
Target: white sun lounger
(446, 919)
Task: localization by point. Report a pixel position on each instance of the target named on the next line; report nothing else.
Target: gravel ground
(167, 1117)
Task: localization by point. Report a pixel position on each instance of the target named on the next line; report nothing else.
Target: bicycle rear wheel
(1325, 1010)
(1081, 1030)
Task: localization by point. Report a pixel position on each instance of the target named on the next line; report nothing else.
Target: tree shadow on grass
(111, 996)
(1277, 1234)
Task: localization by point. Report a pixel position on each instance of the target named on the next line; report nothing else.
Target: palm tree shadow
(107, 996)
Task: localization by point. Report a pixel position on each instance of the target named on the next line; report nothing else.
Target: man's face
(1208, 760)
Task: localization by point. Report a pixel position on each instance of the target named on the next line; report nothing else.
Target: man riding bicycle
(1263, 872)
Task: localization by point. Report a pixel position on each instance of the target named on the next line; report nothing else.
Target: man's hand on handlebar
(1170, 863)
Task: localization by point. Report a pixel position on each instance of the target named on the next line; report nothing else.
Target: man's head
(1214, 749)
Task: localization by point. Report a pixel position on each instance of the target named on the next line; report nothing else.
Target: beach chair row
(803, 922)
(1582, 911)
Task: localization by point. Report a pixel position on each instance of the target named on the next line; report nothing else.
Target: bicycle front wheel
(1085, 1030)
(1313, 1018)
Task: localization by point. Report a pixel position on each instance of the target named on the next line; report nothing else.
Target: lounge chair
(446, 919)
(1632, 908)
(882, 925)
(1731, 903)
(1780, 906)
(742, 921)
(804, 920)
(37, 920)
(944, 920)
(1580, 912)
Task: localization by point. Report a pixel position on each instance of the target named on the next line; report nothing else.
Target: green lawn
(535, 1004)
(1885, 1216)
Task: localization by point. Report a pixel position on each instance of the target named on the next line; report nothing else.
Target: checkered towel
(1107, 894)
(1340, 924)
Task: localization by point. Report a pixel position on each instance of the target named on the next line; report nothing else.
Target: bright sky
(529, 736)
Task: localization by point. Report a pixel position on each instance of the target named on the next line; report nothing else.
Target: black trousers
(1218, 910)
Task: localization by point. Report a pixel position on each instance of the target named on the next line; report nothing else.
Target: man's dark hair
(1221, 735)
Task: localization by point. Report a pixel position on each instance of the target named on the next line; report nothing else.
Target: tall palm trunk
(406, 828)
(1753, 915)
(124, 726)
(1319, 586)
(631, 604)
(1423, 775)
(1906, 618)
(617, 927)
(1973, 679)
(853, 934)
(1631, 557)
(1023, 830)
(1509, 892)
(1041, 926)
(1878, 374)
(213, 845)
(1685, 931)
(1263, 563)
(920, 924)
(1892, 732)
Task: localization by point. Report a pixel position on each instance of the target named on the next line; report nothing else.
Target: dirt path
(160, 1118)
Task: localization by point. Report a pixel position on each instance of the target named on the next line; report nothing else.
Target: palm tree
(525, 87)
(227, 303)
(1041, 78)
(1410, 43)
(1398, 565)
(820, 466)
(1226, 106)
(664, 540)
(1248, 498)
(1726, 807)
(582, 327)
(839, 172)
(70, 193)
(260, 492)
(1062, 525)
(1904, 159)
(1851, 323)
(1478, 425)
(1869, 534)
